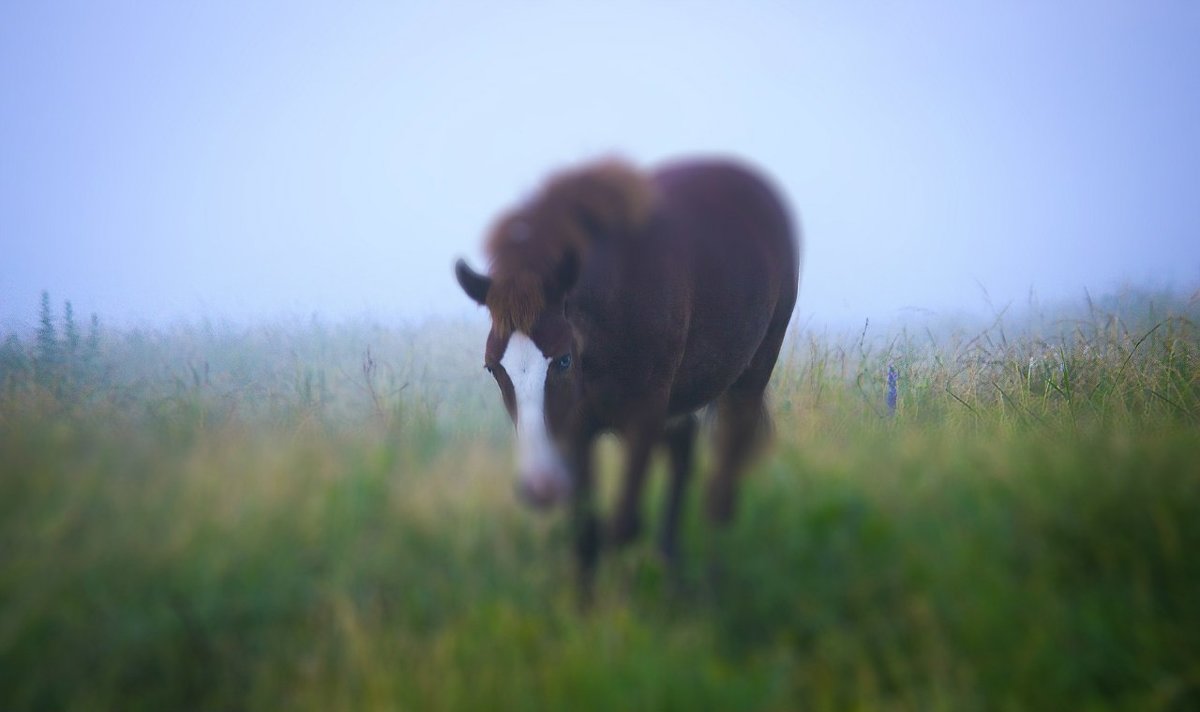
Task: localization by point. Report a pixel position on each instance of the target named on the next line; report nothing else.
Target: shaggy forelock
(608, 198)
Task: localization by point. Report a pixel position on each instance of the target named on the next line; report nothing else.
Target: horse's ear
(474, 284)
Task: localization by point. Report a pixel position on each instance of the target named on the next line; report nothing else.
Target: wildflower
(892, 377)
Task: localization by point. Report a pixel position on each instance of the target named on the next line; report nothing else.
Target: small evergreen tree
(72, 367)
(47, 354)
(70, 331)
(92, 349)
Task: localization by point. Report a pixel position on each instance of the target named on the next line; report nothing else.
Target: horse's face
(538, 376)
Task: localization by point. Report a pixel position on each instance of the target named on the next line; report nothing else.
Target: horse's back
(737, 255)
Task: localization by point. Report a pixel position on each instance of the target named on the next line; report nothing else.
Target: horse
(625, 301)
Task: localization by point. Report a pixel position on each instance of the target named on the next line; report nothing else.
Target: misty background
(253, 160)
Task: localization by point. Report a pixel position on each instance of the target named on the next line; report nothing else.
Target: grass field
(314, 516)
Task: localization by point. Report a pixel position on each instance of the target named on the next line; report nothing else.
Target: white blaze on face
(539, 465)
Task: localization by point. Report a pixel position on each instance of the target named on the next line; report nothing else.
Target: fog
(250, 160)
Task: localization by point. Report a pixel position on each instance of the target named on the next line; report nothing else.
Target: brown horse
(624, 301)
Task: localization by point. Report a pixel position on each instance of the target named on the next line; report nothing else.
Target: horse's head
(537, 252)
(534, 360)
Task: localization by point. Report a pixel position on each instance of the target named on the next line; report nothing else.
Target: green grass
(265, 517)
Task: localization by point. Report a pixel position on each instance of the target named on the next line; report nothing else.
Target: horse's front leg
(585, 524)
(640, 440)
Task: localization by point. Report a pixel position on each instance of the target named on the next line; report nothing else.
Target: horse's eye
(563, 362)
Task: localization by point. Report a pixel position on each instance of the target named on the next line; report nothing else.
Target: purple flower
(892, 377)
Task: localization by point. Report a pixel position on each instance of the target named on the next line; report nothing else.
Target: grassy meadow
(308, 515)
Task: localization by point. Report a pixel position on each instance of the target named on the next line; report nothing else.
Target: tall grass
(319, 516)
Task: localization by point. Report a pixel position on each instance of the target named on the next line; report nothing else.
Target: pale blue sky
(257, 159)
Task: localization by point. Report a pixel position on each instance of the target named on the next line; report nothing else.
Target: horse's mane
(529, 246)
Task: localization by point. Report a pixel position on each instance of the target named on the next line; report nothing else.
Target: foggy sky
(252, 160)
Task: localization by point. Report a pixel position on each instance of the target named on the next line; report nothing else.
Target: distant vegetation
(319, 516)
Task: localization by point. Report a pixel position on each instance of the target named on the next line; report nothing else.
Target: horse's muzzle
(542, 491)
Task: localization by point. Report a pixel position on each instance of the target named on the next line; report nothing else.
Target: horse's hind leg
(742, 421)
(680, 439)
